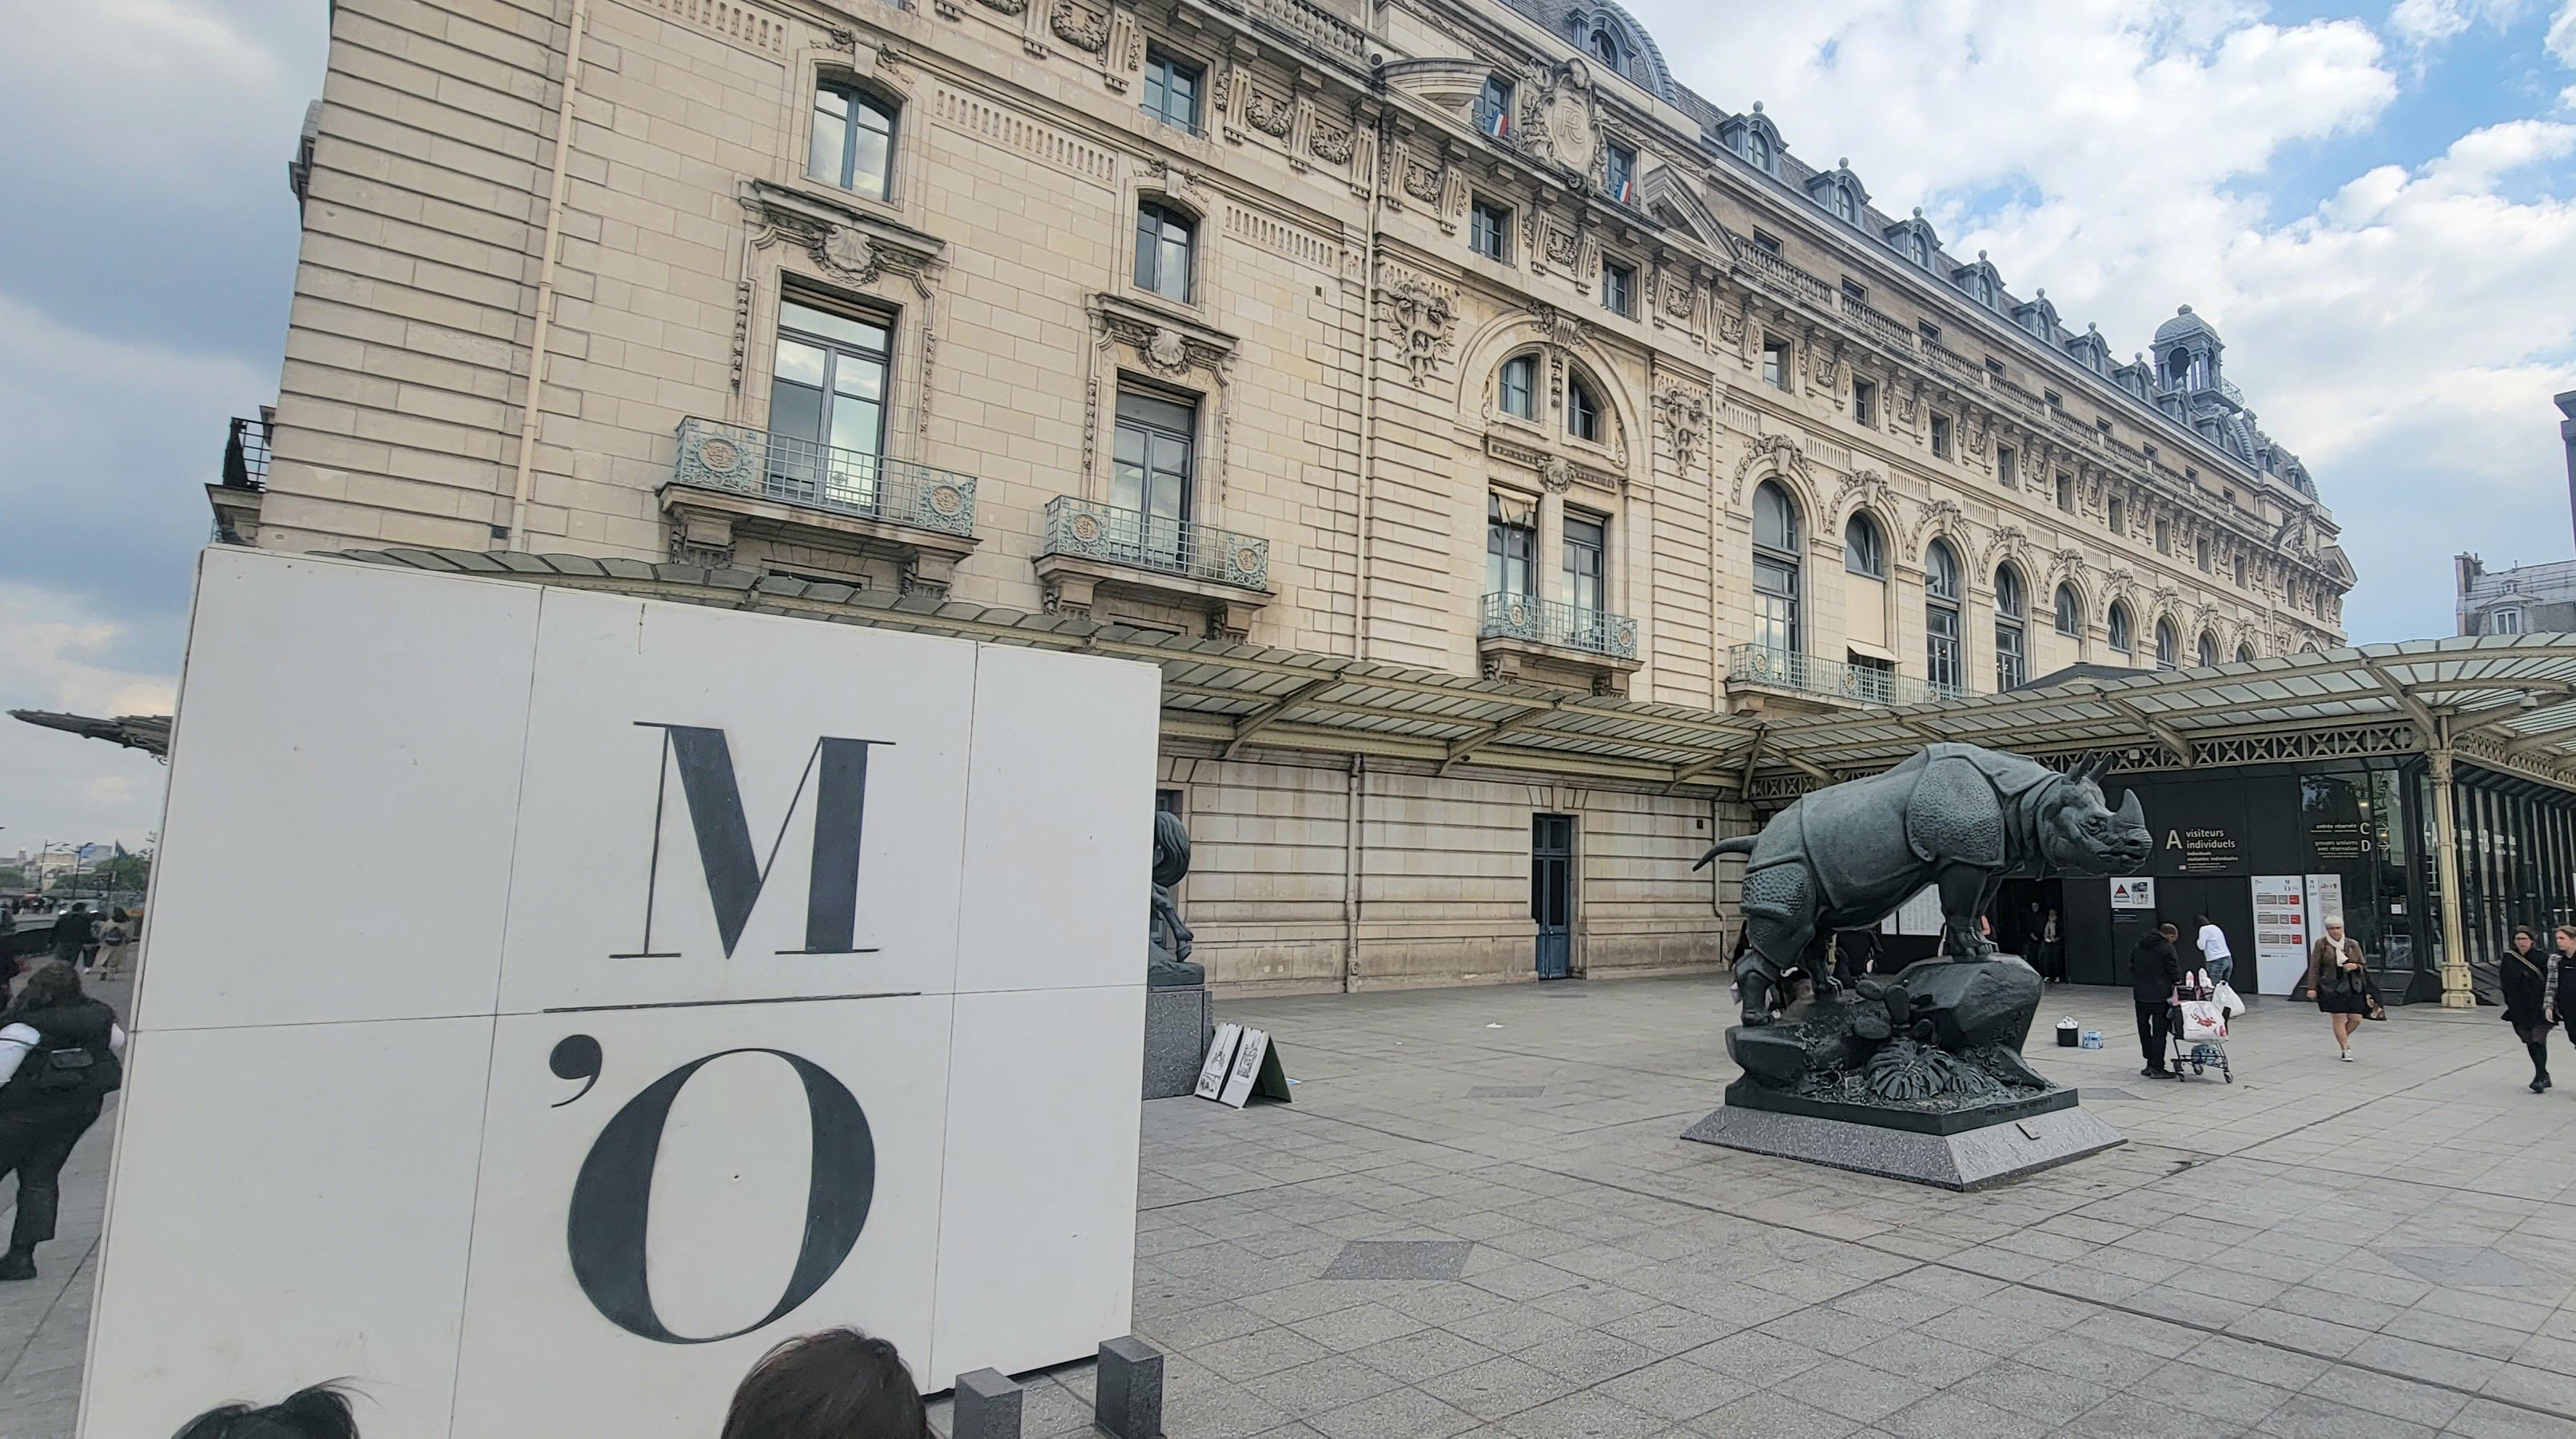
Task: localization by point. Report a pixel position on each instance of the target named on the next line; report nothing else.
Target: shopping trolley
(2197, 1024)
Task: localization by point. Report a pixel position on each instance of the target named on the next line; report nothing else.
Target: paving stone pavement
(2344, 1251)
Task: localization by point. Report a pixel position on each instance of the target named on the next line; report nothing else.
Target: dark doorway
(2226, 899)
(2020, 917)
(1552, 892)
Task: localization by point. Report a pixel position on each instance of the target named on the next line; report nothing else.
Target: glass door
(827, 408)
(1150, 477)
(1587, 543)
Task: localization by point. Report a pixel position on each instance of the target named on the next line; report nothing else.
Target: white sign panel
(2281, 936)
(662, 982)
(2325, 900)
(2133, 892)
(1919, 915)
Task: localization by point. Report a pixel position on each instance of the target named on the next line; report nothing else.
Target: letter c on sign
(613, 1194)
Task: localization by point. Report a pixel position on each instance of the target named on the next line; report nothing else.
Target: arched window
(2011, 614)
(1605, 48)
(1776, 563)
(853, 144)
(1920, 248)
(2245, 654)
(2506, 621)
(1582, 410)
(1517, 387)
(2118, 625)
(1864, 552)
(1164, 237)
(1941, 618)
(2208, 650)
(1757, 148)
(1845, 207)
(2070, 613)
(2168, 648)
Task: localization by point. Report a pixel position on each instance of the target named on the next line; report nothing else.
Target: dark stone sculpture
(1941, 1041)
(1168, 966)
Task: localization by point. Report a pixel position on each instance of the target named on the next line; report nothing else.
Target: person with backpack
(58, 1064)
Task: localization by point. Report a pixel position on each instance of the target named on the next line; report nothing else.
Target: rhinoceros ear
(2086, 770)
(2132, 814)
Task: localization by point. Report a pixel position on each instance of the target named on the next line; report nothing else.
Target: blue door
(1552, 892)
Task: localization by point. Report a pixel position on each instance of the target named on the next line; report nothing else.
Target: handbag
(2202, 1019)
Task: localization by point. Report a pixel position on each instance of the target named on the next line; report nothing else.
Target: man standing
(2154, 971)
(2215, 956)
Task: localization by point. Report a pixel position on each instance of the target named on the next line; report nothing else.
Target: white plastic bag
(2228, 1001)
(2203, 1019)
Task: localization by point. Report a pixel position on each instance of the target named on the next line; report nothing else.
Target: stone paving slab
(2386, 1247)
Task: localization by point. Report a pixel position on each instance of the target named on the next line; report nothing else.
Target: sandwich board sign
(641, 1012)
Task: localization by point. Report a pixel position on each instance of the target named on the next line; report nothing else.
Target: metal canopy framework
(148, 733)
(2504, 702)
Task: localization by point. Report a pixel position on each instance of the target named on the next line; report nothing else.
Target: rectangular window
(1775, 362)
(1769, 243)
(1994, 369)
(2238, 565)
(1172, 91)
(1587, 553)
(1864, 402)
(2007, 467)
(1511, 546)
(2164, 537)
(1618, 287)
(2102, 428)
(1163, 251)
(2116, 515)
(827, 403)
(853, 141)
(1150, 477)
(1941, 436)
(1855, 292)
(2050, 398)
(1619, 173)
(1929, 333)
(1494, 107)
(2066, 493)
(1489, 230)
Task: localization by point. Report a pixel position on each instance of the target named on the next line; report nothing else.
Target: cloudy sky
(2372, 201)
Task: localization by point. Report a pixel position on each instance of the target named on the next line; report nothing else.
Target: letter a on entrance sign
(2173, 839)
(735, 875)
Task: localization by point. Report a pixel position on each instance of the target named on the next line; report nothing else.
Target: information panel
(2281, 935)
(555, 999)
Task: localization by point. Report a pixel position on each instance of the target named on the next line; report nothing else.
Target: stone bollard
(987, 1406)
(1127, 1398)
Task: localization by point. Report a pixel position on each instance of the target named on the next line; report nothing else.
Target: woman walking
(2339, 982)
(2524, 977)
(58, 1063)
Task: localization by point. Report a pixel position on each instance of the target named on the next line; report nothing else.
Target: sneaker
(2347, 1056)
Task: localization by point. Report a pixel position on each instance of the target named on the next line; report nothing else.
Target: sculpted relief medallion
(1573, 133)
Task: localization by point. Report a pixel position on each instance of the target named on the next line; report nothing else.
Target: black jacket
(82, 1028)
(2525, 986)
(2153, 970)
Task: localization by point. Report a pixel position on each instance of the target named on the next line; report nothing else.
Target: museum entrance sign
(663, 981)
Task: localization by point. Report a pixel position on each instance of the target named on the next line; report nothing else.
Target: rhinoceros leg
(1773, 946)
(1965, 892)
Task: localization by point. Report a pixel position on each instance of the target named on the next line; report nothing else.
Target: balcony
(236, 496)
(1778, 275)
(1826, 684)
(1879, 326)
(1146, 569)
(1524, 637)
(801, 504)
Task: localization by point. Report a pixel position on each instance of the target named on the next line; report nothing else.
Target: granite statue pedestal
(1180, 1022)
(1919, 1077)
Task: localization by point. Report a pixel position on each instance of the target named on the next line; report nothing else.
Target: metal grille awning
(2508, 702)
(148, 733)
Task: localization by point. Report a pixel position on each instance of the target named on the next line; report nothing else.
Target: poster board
(1256, 1072)
(2325, 902)
(2135, 891)
(1919, 915)
(1220, 1060)
(2281, 936)
(651, 968)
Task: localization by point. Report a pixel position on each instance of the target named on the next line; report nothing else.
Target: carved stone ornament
(1677, 298)
(1330, 145)
(1772, 454)
(1569, 127)
(1268, 113)
(1730, 326)
(1422, 180)
(1562, 247)
(1167, 354)
(1561, 329)
(1939, 518)
(1008, 7)
(1907, 406)
(847, 253)
(1079, 26)
(1684, 409)
(1425, 321)
(1554, 475)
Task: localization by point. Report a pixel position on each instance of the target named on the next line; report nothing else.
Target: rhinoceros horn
(2132, 814)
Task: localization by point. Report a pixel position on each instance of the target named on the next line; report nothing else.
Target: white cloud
(2423, 24)
(57, 786)
(2562, 36)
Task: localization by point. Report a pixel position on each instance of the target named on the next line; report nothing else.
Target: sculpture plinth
(1917, 1076)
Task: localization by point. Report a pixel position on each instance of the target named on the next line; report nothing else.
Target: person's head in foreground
(838, 1384)
(321, 1412)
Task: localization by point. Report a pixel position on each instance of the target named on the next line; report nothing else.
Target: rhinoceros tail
(1741, 844)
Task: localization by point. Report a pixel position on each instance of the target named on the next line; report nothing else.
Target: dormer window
(1605, 48)
(1846, 208)
(1920, 249)
(1757, 149)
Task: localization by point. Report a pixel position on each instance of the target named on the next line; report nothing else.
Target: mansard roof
(1641, 60)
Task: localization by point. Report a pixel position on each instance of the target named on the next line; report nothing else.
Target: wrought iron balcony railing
(746, 461)
(1546, 622)
(1810, 674)
(246, 455)
(1079, 529)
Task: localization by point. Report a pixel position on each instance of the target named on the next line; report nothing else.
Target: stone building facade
(1445, 333)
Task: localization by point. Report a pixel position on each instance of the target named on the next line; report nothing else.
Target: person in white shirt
(59, 1061)
(2215, 956)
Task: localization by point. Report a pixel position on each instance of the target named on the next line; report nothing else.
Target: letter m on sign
(835, 769)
